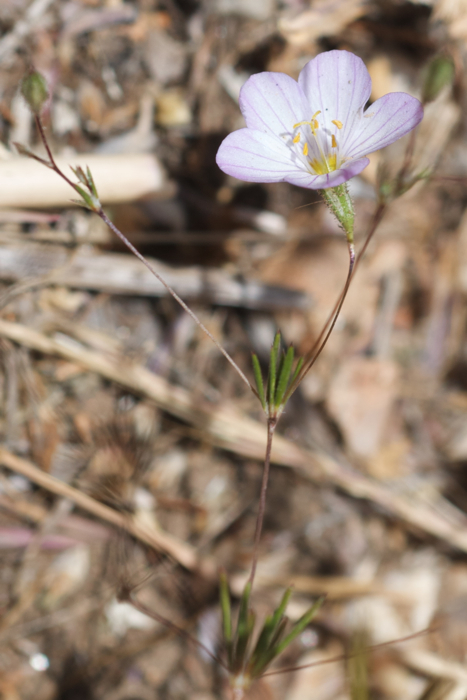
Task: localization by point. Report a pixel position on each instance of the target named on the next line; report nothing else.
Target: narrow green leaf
(270, 653)
(274, 356)
(298, 627)
(263, 641)
(269, 636)
(243, 641)
(297, 369)
(278, 632)
(281, 608)
(259, 380)
(293, 382)
(284, 376)
(225, 607)
(244, 604)
(241, 635)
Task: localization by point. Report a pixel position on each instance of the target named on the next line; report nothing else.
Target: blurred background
(111, 392)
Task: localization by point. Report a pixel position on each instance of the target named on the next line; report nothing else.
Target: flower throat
(325, 163)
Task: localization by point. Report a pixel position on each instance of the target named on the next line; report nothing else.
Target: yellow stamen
(313, 121)
(305, 149)
(333, 141)
(296, 138)
(337, 123)
(314, 125)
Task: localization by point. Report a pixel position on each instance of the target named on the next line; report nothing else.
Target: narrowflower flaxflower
(314, 133)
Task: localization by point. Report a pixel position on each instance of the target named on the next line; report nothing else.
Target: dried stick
(230, 430)
(184, 553)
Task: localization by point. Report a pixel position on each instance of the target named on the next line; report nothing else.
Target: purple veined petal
(338, 84)
(385, 121)
(273, 103)
(254, 156)
(332, 179)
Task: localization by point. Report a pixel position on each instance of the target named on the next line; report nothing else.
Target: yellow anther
(305, 149)
(296, 138)
(337, 123)
(313, 122)
(333, 141)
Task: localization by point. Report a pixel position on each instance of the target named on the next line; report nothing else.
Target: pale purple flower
(314, 133)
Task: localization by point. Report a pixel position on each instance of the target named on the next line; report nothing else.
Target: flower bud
(34, 90)
(440, 72)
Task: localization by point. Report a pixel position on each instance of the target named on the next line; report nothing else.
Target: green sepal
(284, 376)
(259, 380)
(90, 197)
(34, 90)
(339, 202)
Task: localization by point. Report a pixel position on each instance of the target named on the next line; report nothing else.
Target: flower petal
(257, 157)
(338, 84)
(332, 179)
(273, 103)
(385, 121)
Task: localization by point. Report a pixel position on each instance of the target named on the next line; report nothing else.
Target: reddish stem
(272, 422)
(328, 327)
